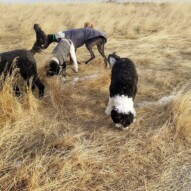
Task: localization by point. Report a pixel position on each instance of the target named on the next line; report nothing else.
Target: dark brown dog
(24, 60)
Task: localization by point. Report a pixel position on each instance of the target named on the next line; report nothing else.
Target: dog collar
(53, 38)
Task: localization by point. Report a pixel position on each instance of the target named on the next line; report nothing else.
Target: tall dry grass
(65, 141)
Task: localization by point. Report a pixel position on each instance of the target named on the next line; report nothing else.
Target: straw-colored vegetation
(64, 142)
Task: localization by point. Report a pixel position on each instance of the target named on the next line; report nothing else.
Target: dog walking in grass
(123, 89)
(57, 65)
(88, 36)
(25, 62)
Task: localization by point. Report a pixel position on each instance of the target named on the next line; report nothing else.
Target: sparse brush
(65, 141)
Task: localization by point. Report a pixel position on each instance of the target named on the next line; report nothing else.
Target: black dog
(88, 36)
(123, 90)
(25, 62)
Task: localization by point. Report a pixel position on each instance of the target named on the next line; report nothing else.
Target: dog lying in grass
(24, 60)
(123, 89)
(57, 65)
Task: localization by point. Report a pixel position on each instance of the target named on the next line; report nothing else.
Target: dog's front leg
(109, 106)
(89, 47)
(73, 57)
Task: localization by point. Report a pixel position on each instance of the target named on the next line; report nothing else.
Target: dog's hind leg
(71, 60)
(89, 46)
(100, 48)
(73, 57)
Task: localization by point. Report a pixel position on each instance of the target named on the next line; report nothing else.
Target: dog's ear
(111, 60)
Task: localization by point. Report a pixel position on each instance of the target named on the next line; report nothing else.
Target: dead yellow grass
(65, 141)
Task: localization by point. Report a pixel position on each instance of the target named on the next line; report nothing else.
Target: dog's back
(6, 58)
(124, 78)
(80, 36)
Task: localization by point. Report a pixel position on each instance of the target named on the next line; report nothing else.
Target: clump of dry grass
(65, 141)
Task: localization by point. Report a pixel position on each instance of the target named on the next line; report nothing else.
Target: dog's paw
(120, 127)
(63, 79)
(87, 62)
(75, 70)
(108, 111)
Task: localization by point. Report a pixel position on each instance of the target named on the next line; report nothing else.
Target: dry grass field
(65, 142)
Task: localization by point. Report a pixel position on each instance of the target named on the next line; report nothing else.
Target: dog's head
(53, 38)
(112, 58)
(122, 120)
(123, 111)
(42, 39)
(53, 68)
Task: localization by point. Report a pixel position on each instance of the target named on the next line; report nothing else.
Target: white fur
(55, 59)
(72, 53)
(119, 126)
(59, 35)
(109, 106)
(124, 104)
(73, 56)
(112, 61)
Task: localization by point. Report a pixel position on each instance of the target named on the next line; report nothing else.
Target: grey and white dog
(57, 65)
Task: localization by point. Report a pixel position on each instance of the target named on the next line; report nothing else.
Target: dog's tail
(40, 39)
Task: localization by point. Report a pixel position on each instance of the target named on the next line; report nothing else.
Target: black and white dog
(57, 65)
(123, 90)
(24, 60)
(88, 36)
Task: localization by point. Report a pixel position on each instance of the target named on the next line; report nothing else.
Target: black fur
(124, 80)
(121, 118)
(54, 69)
(40, 39)
(124, 77)
(25, 61)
